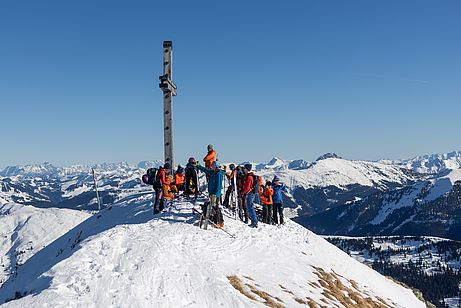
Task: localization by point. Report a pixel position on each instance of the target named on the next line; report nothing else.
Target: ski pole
(211, 222)
(96, 187)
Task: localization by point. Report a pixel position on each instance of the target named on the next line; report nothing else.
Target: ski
(235, 195)
(207, 217)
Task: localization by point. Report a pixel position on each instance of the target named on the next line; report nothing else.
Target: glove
(198, 164)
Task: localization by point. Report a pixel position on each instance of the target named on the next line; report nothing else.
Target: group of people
(244, 188)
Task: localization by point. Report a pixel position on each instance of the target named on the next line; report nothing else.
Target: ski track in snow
(127, 258)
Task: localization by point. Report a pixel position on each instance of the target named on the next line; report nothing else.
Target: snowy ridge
(341, 173)
(125, 257)
(433, 163)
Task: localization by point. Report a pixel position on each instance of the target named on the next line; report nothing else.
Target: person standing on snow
(191, 178)
(266, 198)
(230, 177)
(159, 185)
(210, 158)
(248, 194)
(277, 199)
(242, 209)
(216, 176)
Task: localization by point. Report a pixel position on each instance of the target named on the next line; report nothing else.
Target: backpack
(151, 176)
(256, 184)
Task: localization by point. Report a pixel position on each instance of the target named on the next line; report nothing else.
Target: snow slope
(125, 257)
(25, 230)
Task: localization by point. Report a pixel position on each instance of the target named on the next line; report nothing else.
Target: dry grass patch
(300, 301)
(269, 300)
(239, 286)
(335, 290)
(286, 290)
(250, 291)
(355, 285)
(311, 303)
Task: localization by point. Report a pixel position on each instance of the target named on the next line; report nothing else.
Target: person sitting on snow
(179, 180)
(167, 188)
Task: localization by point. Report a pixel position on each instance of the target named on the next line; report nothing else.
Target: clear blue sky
(365, 79)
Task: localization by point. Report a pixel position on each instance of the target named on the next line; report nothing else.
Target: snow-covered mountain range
(315, 186)
(429, 207)
(433, 163)
(57, 250)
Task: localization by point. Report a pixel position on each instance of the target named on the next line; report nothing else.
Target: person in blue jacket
(216, 177)
(277, 199)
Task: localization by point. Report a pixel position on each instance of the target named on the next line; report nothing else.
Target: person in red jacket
(248, 194)
(266, 198)
(160, 182)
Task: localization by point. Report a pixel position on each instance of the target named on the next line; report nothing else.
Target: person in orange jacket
(179, 180)
(266, 198)
(167, 192)
(210, 157)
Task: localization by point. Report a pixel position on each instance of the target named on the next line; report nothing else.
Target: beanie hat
(248, 167)
(276, 178)
(210, 147)
(167, 166)
(268, 183)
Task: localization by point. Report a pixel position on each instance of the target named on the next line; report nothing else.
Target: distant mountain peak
(275, 161)
(328, 155)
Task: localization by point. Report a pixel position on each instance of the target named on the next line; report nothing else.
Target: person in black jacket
(192, 185)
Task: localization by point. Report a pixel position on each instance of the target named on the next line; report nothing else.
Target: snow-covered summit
(341, 173)
(328, 155)
(125, 257)
(30, 170)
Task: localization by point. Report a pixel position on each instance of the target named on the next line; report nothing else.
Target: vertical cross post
(169, 90)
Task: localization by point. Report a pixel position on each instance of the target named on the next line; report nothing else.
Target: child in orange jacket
(266, 198)
(167, 193)
(179, 180)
